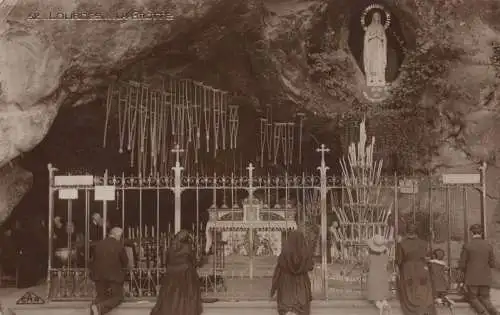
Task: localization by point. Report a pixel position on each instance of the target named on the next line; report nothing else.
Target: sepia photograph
(288, 157)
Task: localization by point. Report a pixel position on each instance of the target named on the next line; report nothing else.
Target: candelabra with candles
(149, 248)
(364, 214)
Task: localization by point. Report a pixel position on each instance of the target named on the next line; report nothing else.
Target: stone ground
(9, 297)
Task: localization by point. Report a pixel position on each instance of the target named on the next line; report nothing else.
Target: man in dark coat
(476, 261)
(108, 272)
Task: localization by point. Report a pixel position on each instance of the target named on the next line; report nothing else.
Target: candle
(153, 230)
(146, 231)
(132, 232)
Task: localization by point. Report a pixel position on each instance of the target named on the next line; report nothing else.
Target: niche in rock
(376, 38)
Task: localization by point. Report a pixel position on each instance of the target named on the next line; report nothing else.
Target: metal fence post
(324, 227)
(50, 227)
(484, 217)
(105, 210)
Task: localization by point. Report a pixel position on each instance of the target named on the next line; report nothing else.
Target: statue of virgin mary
(375, 52)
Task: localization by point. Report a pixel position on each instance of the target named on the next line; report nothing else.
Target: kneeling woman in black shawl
(180, 291)
(291, 280)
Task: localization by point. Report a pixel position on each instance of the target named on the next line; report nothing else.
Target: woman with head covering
(415, 286)
(377, 282)
(180, 291)
(291, 281)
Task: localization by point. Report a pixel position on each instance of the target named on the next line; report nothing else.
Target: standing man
(108, 272)
(60, 235)
(95, 228)
(476, 261)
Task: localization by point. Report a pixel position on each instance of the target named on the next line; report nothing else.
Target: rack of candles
(151, 245)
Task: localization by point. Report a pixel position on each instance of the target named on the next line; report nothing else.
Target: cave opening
(74, 145)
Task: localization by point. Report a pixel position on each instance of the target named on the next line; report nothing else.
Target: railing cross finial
(323, 149)
(250, 169)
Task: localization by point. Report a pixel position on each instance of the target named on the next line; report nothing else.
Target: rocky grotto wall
(441, 116)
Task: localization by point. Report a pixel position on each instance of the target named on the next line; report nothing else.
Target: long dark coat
(291, 280)
(415, 286)
(180, 291)
(109, 262)
(476, 261)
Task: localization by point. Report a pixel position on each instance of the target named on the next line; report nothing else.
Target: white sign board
(68, 194)
(74, 180)
(104, 193)
(408, 186)
(457, 179)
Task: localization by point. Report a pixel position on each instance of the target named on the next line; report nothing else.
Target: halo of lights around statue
(375, 7)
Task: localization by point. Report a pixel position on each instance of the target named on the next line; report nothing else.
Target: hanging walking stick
(284, 141)
(124, 99)
(291, 141)
(190, 123)
(270, 133)
(207, 110)
(181, 122)
(216, 119)
(133, 99)
(223, 113)
(136, 147)
(186, 161)
(189, 110)
(153, 124)
(109, 102)
(169, 113)
(135, 118)
(276, 141)
(301, 134)
(263, 139)
(161, 131)
(146, 155)
(197, 121)
(143, 132)
(173, 106)
(233, 126)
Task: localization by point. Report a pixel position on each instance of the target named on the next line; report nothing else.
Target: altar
(255, 229)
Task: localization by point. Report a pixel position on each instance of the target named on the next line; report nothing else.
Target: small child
(438, 270)
(377, 282)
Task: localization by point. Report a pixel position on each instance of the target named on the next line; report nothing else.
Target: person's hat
(377, 243)
(476, 229)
